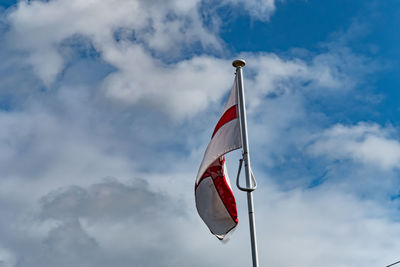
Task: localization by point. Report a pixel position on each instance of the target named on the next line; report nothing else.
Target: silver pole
(238, 64)
(393, 264)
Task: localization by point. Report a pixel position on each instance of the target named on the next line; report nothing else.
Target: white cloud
(123, 38)
(258, 9)
(322, 227)
(335, 69)
(39, 28)
(136, 34)
(366, 143)
(180, 89)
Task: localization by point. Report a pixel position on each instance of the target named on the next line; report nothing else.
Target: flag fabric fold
(215, 201)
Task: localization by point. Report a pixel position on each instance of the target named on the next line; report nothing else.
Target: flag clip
(246, 189)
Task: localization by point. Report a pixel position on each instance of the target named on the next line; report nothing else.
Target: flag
(215, 201)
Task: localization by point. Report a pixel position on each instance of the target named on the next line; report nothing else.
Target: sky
(106, 108)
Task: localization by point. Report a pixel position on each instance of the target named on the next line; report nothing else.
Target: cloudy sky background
(106, 108)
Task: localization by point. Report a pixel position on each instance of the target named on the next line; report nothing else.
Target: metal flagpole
(238, 64)
(397, 262)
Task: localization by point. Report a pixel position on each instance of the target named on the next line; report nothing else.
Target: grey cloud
(111, 201)
(105, 224)
(68, 244)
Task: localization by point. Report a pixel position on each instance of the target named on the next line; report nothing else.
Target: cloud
(111, 222)
(105, 223)
(109, 201)
(366, 143)
(145, 57)
(156, 25)
(258, 9)
(127, 39)
(323, 227)
(116, 223)
(181, 90)
(7, 258)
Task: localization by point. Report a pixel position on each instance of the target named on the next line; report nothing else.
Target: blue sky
(106, 108)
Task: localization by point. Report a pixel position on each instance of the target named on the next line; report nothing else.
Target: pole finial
(238, 63)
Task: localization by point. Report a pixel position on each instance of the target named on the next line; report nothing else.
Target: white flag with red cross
(215, 201)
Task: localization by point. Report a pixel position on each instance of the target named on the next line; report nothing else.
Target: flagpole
(238, 64)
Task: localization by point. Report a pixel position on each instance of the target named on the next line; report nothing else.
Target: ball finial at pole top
(238, 63)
